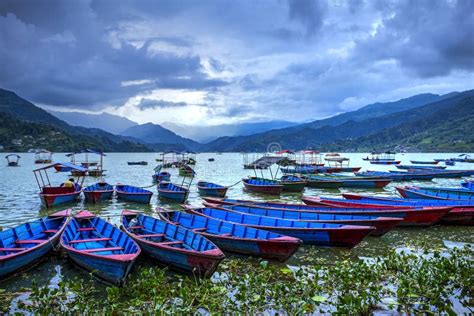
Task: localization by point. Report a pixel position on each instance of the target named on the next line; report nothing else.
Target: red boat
(382, 224)
(423, 216)
(411, 217)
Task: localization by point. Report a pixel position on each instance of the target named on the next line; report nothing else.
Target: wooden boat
(420, 162)
(99, 247)
(420, 216)
(236, 238)
(161, 176)
(439, 173)
(211, 189)
(211, 159)
(186, 171)
(320, 234)
(305, 169)
(61, 168)
(468, 184)
(172, 245)
(463, 158)
(133, 194)
(386, 157)
(12, 160)
(462, 212)
(325, 169)
(172, 192)
(56, 195)
(26, 244)
(417, 193)
(137, 163)
(292, 183)
(382, 224)
(264, 186)
(385, 162)
(414, 167)
(345, 182)
(397, 176)
(43, 156)
(449, 162)
(98, 192)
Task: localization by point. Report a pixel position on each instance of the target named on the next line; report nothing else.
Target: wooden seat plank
(102, 249)
(78, 241)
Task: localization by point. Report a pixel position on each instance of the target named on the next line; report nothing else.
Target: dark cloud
(429, 38)
(309, 13)
(247, 59)
(57, 53)
(152, 104)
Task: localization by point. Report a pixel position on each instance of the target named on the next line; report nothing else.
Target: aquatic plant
(408, 282)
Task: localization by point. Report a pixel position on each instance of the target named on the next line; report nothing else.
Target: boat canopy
(285, 151)
(65, 164)
(13, 155)
(88, 151)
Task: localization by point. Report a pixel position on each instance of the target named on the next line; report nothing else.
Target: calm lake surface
(19, 202)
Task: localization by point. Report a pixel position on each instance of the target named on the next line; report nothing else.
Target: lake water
(19, 202)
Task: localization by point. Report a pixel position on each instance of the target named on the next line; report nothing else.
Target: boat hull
(392, 162)
(50, 200)
(20, 261)
(97, 196)
(216, 192)
(264, 189)
(134, 197)
(179, 197)
(293, 186)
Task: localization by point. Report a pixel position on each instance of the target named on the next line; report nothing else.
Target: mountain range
(427, 122)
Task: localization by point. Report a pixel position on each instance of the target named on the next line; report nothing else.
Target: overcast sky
(211, 62)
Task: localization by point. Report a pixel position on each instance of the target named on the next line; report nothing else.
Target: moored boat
(56, 195)
(418, 216)
(98, 192)
(172, 245)
(12, 160)
(161, 176)
(172, 192)
(211, 189)
(137, 163)
(414, 167)
(264, 186)
(292, 183)
(382, 224)
(421, 162)
(320, 234)
(432, 193)
(385, 162)
(236, 238)
(99, 247)
(133, 194)
(329, 182)
(397, 176)
(26, 244)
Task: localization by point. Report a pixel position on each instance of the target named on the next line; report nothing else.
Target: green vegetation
(415, 282)
(18, 136)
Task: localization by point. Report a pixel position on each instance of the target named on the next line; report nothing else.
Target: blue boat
(439, 173)
(418, 216)
(382, 224)
(393, 200)
(237, 238)
(211, 189)
(133, 194)
(300, 169)
(172, 192)
(468, 185)
(449, 162)
(99, 247)
(172, 245)
(414, 167)
(417, 193)
(98, 192)
(161, 176)
(331, 182)
(26, 244)
(398, 176)
(320, 234)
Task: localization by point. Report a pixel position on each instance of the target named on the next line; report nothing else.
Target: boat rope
(148, 186)
(233, 185)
